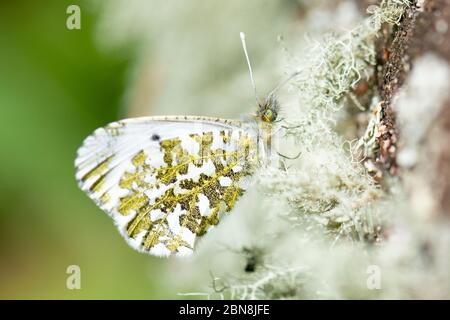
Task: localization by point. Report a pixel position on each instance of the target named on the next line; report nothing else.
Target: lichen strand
(173, 175)
(330, 196)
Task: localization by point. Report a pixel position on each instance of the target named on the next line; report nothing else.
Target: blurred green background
(58, 85)
(55, 88)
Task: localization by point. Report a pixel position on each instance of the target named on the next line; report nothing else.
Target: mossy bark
(424, 29)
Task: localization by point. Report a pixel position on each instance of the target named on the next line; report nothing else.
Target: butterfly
(166, 181)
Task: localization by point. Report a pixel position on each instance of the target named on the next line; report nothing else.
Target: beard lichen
(332, 199)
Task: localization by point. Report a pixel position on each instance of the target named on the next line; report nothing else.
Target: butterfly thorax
(266, 119)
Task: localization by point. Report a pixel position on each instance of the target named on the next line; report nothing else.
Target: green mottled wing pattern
(167, 181)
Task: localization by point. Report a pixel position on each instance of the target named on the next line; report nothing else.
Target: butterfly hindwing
(166, 181)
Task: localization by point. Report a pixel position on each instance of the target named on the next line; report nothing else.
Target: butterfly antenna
(282, 83)
(244, 46)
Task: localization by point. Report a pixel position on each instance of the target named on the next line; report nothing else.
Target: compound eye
(268, 115)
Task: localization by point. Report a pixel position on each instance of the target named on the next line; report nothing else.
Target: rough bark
(424, 29)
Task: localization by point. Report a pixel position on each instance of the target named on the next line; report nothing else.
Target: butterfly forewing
(166, 181)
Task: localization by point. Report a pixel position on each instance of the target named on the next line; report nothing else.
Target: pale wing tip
(95, 150)
(93, 147)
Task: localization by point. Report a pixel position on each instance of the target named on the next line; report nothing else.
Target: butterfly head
(268, 110)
